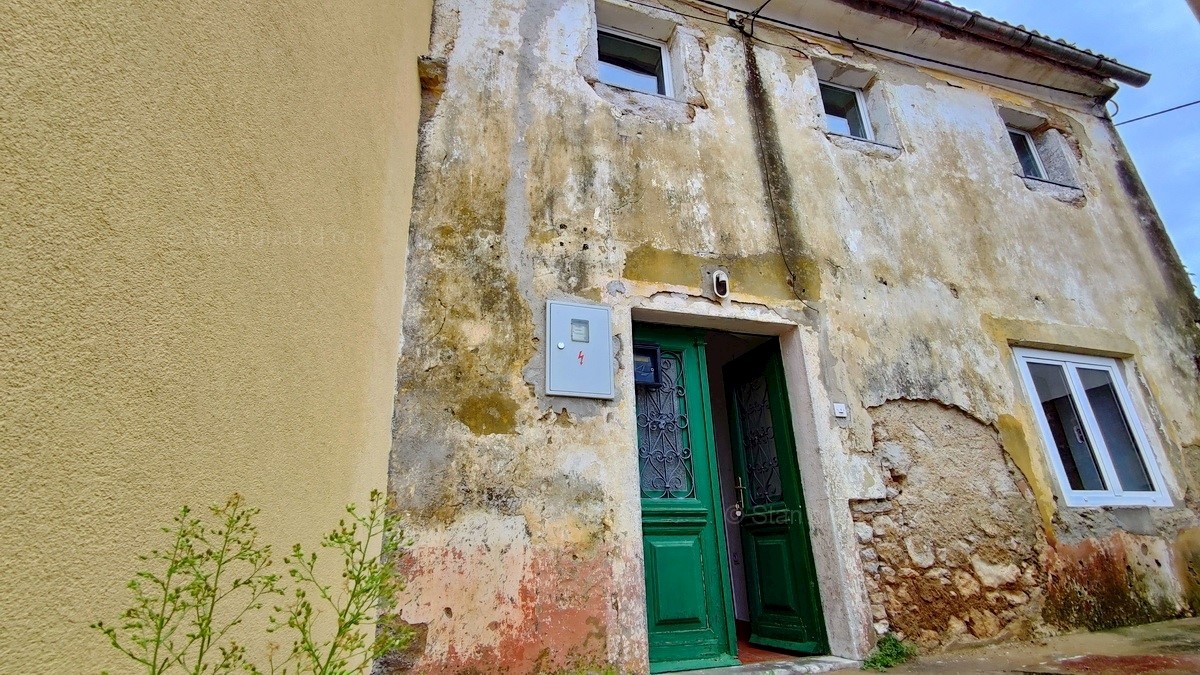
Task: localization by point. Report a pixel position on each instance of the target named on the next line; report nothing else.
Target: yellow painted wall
(204, 211)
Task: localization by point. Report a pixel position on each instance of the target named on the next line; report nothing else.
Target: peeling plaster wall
(203, 230)
(906, 273)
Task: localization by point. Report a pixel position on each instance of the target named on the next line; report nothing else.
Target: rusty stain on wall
(1107, 582)
(549, 618)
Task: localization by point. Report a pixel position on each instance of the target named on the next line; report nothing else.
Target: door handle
(739, 506)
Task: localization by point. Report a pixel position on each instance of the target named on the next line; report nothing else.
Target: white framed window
(845, 111)
(633, 62)
(1093, 438)
(1027, 153)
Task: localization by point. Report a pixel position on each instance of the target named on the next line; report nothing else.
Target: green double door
(688, 593)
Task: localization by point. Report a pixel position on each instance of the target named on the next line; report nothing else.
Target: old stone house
(845, 317)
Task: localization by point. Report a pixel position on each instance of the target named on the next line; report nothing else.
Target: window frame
(1115, 495)
(1033, 149)
(663, 50)
(859, 100)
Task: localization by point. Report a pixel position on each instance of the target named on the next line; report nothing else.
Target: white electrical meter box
(579, 358)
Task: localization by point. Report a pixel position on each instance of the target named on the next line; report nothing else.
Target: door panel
(679, 599)
(781, 580)
(772, 557)
(688, 603)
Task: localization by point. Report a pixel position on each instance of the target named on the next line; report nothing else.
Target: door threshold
(798, 664)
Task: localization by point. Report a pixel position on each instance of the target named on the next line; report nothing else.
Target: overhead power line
(754, 16)
(837, 36)
(1155, 114)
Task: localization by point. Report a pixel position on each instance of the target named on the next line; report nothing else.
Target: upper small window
(1045, 159)
(1031, 162)
(1095, 442)
(633, 62)
(845, 113)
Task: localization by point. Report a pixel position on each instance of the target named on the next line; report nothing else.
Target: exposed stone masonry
(951, 552)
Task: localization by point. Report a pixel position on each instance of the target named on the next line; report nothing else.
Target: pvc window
(845, 111)
(1094, 440)
(1027, 153)
(633, 62)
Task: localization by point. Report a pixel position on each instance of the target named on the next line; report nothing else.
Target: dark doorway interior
(749, 653)
(731, 355)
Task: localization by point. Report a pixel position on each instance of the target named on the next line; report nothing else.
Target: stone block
(966, 584)
(995, 575)
(884, 526)
(984, 624)
(919, 551)
(871, 506)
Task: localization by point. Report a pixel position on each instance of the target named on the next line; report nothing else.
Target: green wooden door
(781, 581)
(688, 602)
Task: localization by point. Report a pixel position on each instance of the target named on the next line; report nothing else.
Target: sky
(1161, 37)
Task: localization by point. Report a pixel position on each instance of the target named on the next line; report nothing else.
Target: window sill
(654, 106)
(869, 148)
(1068, 194)
(1081, 501)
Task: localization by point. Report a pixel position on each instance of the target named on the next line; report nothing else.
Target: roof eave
(1017, 38)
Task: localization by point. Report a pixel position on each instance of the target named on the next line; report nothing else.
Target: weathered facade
(894, 275)
(203, 220)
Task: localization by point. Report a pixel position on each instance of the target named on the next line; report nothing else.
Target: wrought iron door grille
(758, 438)
(664, 457)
